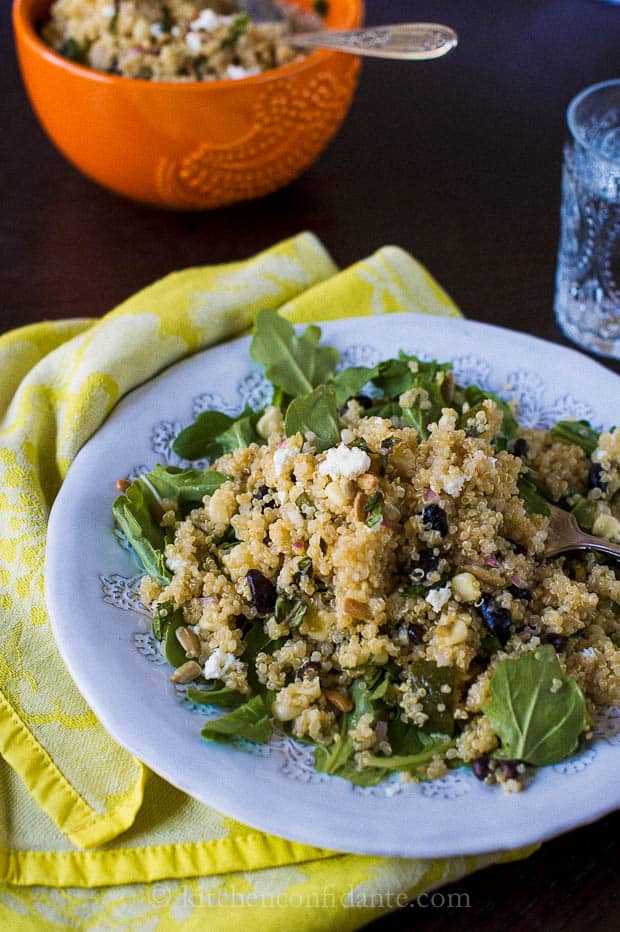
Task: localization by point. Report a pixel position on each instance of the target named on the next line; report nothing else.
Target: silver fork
(565, 535)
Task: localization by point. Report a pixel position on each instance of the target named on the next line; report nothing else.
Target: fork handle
(585, 541)
(411, 41)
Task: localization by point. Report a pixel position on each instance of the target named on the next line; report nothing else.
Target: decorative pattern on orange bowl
(291, 126)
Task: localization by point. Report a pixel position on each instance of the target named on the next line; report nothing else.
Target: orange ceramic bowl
(189, 145)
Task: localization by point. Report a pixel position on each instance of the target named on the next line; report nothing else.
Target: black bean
(496, 618)
(261, 494)
(480, 767)
(508, 769)
(435, 518)
(415, 633)
(558, 641)
(426, 563)
(520, 593)
(520, 447)
(262, 590)
(594, 477)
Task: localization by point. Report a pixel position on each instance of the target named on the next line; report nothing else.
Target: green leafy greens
(537, 710)
(577, 432)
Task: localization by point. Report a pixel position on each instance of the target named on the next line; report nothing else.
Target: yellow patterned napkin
(90, 838)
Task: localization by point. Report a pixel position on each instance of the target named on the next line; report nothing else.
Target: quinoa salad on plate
(177, 40)
(360, 564)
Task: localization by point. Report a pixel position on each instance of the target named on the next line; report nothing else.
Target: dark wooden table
(457, 161)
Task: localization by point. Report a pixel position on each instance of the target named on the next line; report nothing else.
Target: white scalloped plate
(102, 631)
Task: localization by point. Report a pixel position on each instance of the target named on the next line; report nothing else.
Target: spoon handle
(410, 41)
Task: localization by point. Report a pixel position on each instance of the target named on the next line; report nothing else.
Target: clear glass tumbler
(587, 298)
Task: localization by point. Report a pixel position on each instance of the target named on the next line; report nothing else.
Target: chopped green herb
(290, 611)
(238, 26)
(72, 50)
(167, 21)
(374, 509)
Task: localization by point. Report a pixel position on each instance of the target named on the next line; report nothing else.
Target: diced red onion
(492, 561)
(516, 580)
(387, 522)
(430, 496)
(381, 730)
(298, 545)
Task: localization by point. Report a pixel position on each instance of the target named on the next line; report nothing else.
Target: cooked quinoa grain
(179, 40)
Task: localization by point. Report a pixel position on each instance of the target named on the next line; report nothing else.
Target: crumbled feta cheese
(588, 652)
(156, 30)
(283, 459)
(193, 42)
(108, 10)
(454, 485)
(235, 72)
(437, 598)
(175, 31)
(209, 20)
(219, 664)
(350, 462)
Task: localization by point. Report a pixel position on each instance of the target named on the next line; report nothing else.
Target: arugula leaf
(534, 494)
(350, 382)
(396, 376)
(294, 364)
(318, 412)
(475, 396)
(411, 763)
(217, 696)
(183, 485)
(338, 758)
(173, 652)
(583, 514)
(250, 721)
(577, 432)
(393, 377)
(214, 433)
(538, 711)
(132, 513)
(163, 613)
(437, 704)
(257, 641)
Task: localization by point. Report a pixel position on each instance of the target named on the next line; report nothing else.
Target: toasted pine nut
(186, 672)
(357, 609)
(189, 641)
(484, 575)
(123, 484)
(368, 482)
(359, 507)
(340, 700)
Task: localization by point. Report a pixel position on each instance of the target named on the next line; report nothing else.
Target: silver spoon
(410, 41)
(565, 535)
